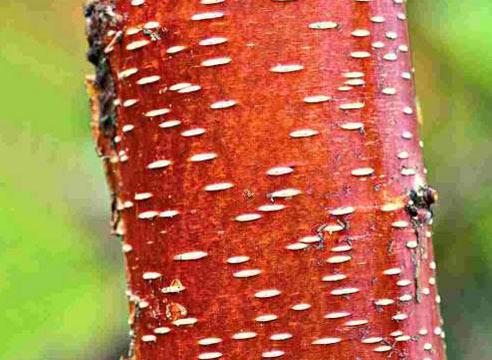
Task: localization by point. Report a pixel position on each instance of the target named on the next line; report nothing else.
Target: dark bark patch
(101, 17)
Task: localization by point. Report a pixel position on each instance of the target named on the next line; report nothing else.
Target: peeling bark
(267, 177)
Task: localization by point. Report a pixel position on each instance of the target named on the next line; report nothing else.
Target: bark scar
(101, 18)
(419, 208)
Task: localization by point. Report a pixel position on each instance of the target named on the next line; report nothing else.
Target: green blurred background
(61, 274)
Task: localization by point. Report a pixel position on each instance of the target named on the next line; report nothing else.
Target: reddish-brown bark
(267, 178)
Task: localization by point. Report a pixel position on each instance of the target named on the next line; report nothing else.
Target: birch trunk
(267, 178)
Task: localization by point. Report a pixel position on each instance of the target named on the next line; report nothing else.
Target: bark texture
(267, 178)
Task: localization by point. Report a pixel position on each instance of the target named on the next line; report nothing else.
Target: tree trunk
(267, 178)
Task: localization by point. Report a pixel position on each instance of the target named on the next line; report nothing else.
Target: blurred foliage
(451, 40)
(61, 284)
(61, 276)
